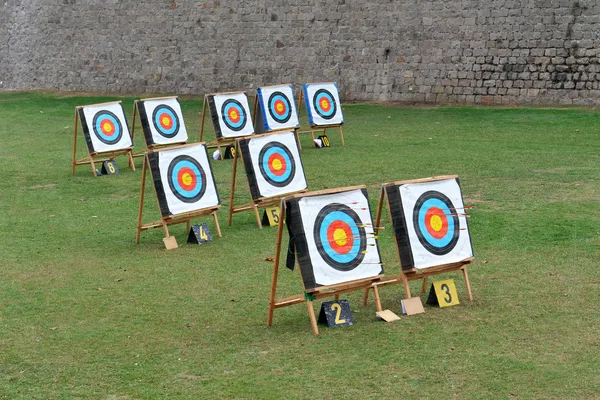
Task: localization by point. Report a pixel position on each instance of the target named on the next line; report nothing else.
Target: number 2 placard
(336, 313)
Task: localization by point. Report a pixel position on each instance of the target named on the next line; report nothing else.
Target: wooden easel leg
(233, 173)
(406, 287)
(366, 297)
(141, 207)
(202, 118)
(424, 285)
(131, 164)
(188, 225)
(342, 136)
(92, 164)
(377, 298)
(297, 139)
(313, 319)
(257, 215)
(165, 228)
(337, 297)
(467, 283)
(379, 208)
(275, 267)
(312, 135)
(74, 164)
(217, 224)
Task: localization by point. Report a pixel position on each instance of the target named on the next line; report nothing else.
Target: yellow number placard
(273, 215)
(445, 292)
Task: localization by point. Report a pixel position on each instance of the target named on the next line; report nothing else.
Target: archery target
(162, 121)
(323, 104)
(340, 240)
(105, 127)
(184, 179)
(278, 108)
(273, 165)
(435, 222)
(231, 115)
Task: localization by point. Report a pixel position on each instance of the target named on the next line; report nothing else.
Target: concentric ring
(187, 179)
(165, 120)
(324, 104)
(280, 107)
(340, 237)
(107, 127)
(436, 222)
(233, 115)
(277, 164)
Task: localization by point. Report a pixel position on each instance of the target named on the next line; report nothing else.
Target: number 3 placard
(443, 293)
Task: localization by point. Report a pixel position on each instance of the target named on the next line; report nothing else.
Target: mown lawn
(86, 313)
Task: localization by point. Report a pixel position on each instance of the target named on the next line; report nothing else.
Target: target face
(430, 223)
(323, 104)
(183, 179)
(165, 121)
(436, 222)
(277, 164)
(280, 107)
(187, 179)
(335, 241)
(234, 115)
(273, 165)
(106, 127)
(340, 237)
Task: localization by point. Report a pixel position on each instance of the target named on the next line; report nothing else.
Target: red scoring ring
(325, 104)
(180, 174)
(237, 112)
(166, 116)
(281, 103)
(433, 211)
(112, 127)
(345, 248)
(272, 159)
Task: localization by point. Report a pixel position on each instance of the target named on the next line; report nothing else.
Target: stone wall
(467, 51)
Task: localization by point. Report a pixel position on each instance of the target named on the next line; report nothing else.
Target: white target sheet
(106, 127)
(323, 104)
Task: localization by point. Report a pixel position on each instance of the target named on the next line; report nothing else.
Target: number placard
(324, 140)
(443, 293)
(200, 234)
(336, 314)
(271, 216)
(229, 152)
(109, 167)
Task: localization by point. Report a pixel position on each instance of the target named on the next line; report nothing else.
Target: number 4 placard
(443, 293)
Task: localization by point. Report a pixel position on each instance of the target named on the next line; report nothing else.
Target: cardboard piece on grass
(387, 315)
(109, 167)
(271, 216)
(336, 314)
(443, 294)
(170, 242)
(199, 234)
(412, 306)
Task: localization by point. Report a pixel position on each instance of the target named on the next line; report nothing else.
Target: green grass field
(85, 313)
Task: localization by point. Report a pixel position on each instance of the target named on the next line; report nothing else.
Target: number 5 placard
(443, 293)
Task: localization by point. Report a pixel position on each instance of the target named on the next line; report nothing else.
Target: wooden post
(234, 171)
(75, 143)
(342, 136)
(311, 315)
(217, 224)
(467, 283)
(141, 206)
(202, 118)
(276, 264)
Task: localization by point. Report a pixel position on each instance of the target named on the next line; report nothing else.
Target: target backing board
(183, 179)
(277, 109)
(429, 223)
(162, 121)
(323, 104)
(105, 127)
(230, 114)
(273, 165)
(333, 237)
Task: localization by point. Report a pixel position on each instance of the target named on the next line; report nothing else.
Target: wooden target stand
(255, 204)
(414, 274)
(313, 294)
(295, 130)
(219, 141)
(95, 157)
(317, 128)
(165, 221)
(152, 146)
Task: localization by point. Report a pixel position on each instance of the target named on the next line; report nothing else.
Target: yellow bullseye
(279, 107)
(107, 127)
(324, 103)
(277, 165)
(187, 179)
(234, 115)
(436, 223)
(340, 237)
(165, 120)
